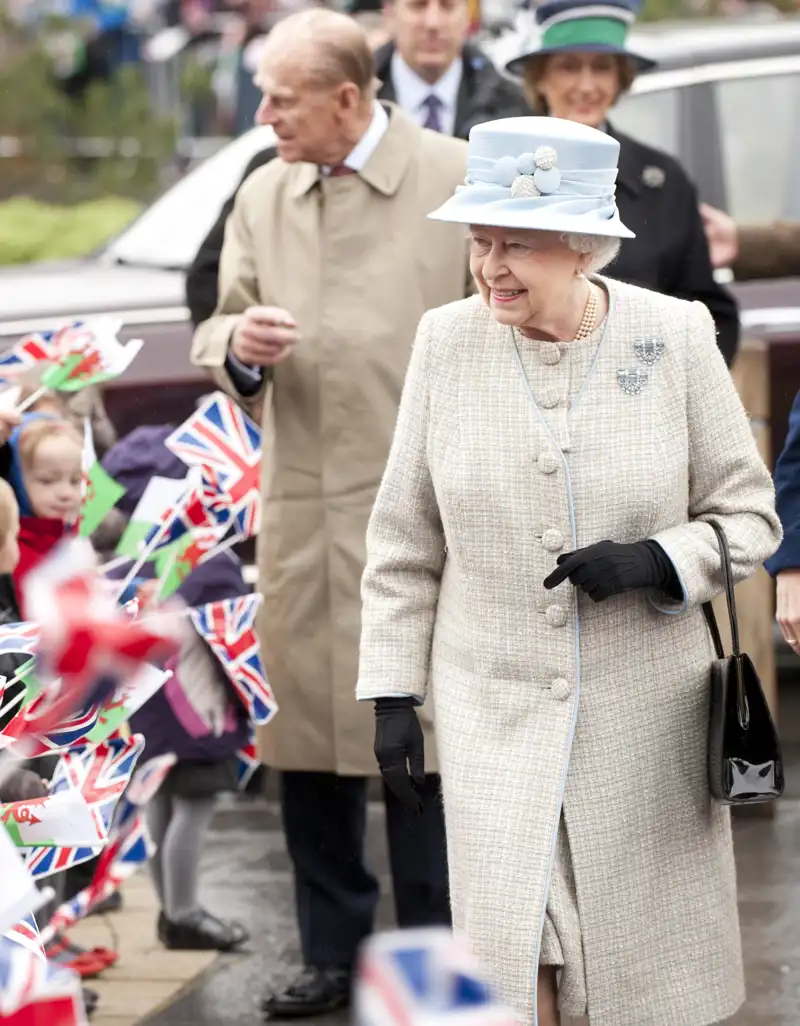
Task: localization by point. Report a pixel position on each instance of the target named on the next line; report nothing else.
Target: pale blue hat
(539, 173)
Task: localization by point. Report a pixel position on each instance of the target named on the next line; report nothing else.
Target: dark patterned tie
(433, 105)
(339, 170)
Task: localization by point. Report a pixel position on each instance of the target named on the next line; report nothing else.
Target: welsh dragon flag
(93, 354)
(100, 491)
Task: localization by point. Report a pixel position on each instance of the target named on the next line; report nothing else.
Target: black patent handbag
(745, 764)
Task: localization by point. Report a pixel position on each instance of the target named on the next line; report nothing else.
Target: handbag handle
(727, 577)
(743, 710)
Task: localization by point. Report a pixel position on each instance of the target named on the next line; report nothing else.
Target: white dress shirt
(368, 143)
(411, 92)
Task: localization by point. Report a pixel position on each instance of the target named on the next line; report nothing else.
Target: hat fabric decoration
(574, 26)
(539, 173)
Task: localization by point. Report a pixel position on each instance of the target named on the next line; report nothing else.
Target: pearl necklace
(586, 327)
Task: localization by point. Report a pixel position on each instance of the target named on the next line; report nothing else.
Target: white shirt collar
(359, 156)
(412, 91)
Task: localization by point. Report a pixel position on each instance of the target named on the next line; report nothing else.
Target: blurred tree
(44, 133)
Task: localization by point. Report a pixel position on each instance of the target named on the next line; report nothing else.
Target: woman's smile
(506, 295)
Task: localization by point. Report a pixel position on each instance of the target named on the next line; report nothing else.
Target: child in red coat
(45, 474)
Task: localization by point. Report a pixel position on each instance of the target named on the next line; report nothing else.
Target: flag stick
(32, 398)
(115, 564)
(142, 558)
(14, 701)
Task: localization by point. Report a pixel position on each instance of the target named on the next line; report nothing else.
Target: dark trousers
(324, 819)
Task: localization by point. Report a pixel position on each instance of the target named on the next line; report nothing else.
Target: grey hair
(601, 249)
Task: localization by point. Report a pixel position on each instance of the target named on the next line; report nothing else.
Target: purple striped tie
(434, 105)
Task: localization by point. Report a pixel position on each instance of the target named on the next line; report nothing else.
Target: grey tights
(178, 826)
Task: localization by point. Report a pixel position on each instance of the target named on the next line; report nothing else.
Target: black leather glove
(400, 748)
(609, 568)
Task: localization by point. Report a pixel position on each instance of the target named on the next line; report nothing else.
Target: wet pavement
(247, 876)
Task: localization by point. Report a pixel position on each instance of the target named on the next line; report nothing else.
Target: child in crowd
(24, 783)
(196, 715)
(45, 473)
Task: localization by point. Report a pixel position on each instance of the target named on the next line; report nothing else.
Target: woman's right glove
(400, 749)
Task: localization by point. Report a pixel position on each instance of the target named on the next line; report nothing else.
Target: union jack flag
(243, 519)
(221, 438)
(101, 774)
(43, 347)
(43, 862)
(247, 761)
(190, 514)
(229, 628)
(40, 347)
(424, 977)
(19, 637)
(144, 786)
(26, 933)
(67, 734)
(35, 992)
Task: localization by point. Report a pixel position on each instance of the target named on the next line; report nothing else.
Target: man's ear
(349, 96)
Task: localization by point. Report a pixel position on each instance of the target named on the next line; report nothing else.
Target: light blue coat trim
(576, 700)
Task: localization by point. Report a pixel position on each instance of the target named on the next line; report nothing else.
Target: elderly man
(327, 266)
(439, 80)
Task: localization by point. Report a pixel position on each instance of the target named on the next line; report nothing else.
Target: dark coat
(670, 251)
(787, 497)
(484, 95)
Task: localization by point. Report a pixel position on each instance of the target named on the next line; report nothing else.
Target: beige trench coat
(356, 262)
(548, 704)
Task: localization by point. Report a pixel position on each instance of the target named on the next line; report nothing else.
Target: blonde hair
(8, 507)
(536, 66)
(33, 434)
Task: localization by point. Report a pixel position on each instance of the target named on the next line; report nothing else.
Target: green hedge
(30, 230)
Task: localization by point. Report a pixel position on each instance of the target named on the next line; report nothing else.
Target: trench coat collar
(385, 169)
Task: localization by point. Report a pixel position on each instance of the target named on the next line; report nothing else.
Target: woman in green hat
(578, 72)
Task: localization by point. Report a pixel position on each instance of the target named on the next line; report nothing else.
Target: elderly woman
(537, 558)
(578, 72)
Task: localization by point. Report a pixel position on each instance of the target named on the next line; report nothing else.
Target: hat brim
(459, 211)
(517, 65)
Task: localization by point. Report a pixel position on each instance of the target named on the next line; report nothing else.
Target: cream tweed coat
(550, 708)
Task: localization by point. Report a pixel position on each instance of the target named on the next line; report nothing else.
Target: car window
(169, 232)
(760, 136)
(652, 118)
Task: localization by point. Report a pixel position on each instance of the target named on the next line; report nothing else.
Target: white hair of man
(600, 248)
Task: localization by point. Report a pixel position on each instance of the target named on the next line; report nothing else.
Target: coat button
(549, 352)
(553, 540)
(548, 398)
(548, 462)
(556, 616)
(561, 689)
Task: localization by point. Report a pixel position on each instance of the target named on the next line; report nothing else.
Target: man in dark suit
(784, 566)
(430, 71)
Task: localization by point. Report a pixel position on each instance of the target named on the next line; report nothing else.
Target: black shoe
(113, 903)
(201, 932)
(314, 992)
(90, 1001)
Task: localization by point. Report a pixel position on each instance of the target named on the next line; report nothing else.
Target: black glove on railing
(400, 748)
(609, 568)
